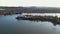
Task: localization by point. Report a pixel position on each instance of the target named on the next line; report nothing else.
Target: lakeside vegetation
(54, 19)
(9, 13)
(19, 10)
(4, 10)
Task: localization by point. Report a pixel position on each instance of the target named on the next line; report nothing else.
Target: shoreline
(54, 19)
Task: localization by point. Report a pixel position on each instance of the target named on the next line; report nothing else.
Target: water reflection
(39, 27)
(54, 22)
(9, 25)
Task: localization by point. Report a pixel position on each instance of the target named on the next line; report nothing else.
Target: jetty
(54, 19)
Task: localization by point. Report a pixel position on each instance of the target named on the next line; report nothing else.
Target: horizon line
(29, 6)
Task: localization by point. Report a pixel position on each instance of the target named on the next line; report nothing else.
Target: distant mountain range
(30, 9)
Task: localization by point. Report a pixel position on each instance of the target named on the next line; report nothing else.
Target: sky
(45, 3)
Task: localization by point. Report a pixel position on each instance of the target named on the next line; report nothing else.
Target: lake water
(10, 25)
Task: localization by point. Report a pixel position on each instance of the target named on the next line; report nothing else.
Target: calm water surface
(10, 25)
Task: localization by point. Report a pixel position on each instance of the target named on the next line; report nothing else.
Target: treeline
(18, 10)
(3, 12)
